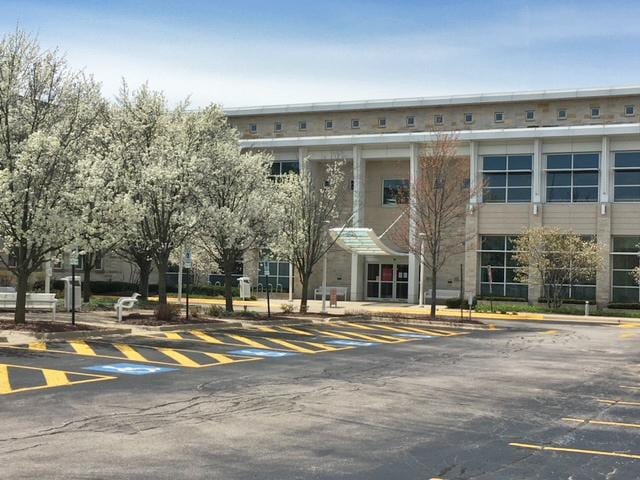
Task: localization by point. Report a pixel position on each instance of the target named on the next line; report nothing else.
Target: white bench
(34, 301)
(125, 303)
(442, 294)
(340, 292)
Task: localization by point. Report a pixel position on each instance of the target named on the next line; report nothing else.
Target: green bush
(205, 290)
(215, 310)
(625, 306)
(502, 299)
(455, 303)
(286, 307)
(168, 313)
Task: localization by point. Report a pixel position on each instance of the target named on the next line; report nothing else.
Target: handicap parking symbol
(412, 335)
(352, 343)
(128, 369)
(255, 352)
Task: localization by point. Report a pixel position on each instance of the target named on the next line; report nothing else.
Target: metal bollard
(586, 308)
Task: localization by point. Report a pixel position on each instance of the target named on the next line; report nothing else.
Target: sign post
(187, 262)
(266, 276)
(73, 259)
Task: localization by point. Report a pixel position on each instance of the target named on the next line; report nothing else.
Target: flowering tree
(46, 111)
(307, 211)
(157, 147)
(555, 260)
(237, 210)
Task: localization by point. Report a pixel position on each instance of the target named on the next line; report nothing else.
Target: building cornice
(483, 98)
(465, 135)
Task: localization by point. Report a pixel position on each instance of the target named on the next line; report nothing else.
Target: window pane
(275, 168)
(373, 270)
(625, 295)
(511, 261)
(586, 160)
(519, 162)
(386, 290)
(559, 162)
(497, 290)
(627, 159)
(491, 242)
(585, 179)
(511, 275)
(494, 195)
(625, 262)
(493, 259)
(627, 177)
(494, 163)
(626, 244)
(519, 179)
(583, 293)
(627, 194)
(511, 246)
(624, 279)
(519, 195)
(290, 167)
(517, 291)
(396, 192)
(585, 194)
(558, 179)
(495, 179)
(372, 289)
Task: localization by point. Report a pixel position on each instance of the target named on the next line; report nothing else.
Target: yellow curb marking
(629, 387)
(602, 422)
(81, 347)
(205, 337)
(619, 402)
(53, 378)
(295, 330)
(575, 450)
(129, 352)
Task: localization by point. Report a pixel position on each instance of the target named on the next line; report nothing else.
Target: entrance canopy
(362, 241)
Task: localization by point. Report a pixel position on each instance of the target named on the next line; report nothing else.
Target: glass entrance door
(387, 281)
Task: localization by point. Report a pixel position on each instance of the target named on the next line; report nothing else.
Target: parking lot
(339, 400)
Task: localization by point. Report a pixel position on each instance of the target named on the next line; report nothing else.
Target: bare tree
(308, 209)
(437, 207)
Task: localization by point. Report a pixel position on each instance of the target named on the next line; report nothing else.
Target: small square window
(438, 119)
(277, 127)
(498, 117)
(253, 128)
(630, 110)
(328, 124)
(595, 112)
(530, 115)
(302, 125)
(382, 123)
(355, 123)
(562, 114)
(468, 118)
(411, 121)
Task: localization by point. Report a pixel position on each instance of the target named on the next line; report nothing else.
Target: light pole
(324, 276)
(421, 270)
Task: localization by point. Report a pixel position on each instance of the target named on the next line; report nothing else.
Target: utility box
(68, 282)
(245, 287)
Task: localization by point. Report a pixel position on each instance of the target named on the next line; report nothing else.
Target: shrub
(501, 299)
(625, 306)
(168, 313)
(215, 310)
(286, 307)
(455, 303)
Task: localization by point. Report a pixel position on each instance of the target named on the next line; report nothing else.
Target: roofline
(522, 96)
(465, 135)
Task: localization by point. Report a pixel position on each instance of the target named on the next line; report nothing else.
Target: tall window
(572, 177)
(395, 192)
(624, 258)
(627, 177)
(498, 268)
(279, 169)
(507, 177)
(278, 277)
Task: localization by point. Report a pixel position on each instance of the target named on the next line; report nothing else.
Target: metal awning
(362, 241)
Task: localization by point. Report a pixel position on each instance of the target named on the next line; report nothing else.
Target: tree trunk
(434, 282)
(21, 298)
(87, 266)
(145, 272)
(228, 288)
(163, 265)
(304, 292)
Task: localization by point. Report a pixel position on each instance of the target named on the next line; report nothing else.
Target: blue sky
(250, 52)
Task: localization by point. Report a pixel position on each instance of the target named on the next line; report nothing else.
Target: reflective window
(355, 123)
(302, 125)
(411, 121)
(438, 119)
(507, 178)
(498, 117)
(498, 268)
(624, 258)
(279, 169)
(395, 192)
(530, 115)
(627, 177)
(573, 177)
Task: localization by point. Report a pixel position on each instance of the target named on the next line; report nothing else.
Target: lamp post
(73, 260)
(421, 270)
(266, 280)
(324, 276)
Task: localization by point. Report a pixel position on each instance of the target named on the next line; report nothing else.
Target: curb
(80, 334)
(276, 323)
(416, 322)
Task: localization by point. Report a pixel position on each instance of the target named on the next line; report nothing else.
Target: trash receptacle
(245, 287)
(68, 281)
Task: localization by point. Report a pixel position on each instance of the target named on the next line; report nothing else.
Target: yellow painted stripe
(248, 341)
(267, 329)
(38, 346)
(289, 345)
(295, 330)
(55, 378)
(323, 346)
(5, 384)
(334, 335)
(205, 337)
(173, 336)
(429, 332)
(391, 329)
(602, 422)
(220, 358)
(625, 336)
(550, 332)
(629, 387)
(619, 402)
(357, 325)
(81, 347)
(179, 357)
(575, 450)
(130, 352)
(377, 338)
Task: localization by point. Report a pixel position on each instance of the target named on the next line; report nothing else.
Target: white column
(536, 194)
(414, 260)
(605, 170)
(359, 175)
(473, 172)
(303, 162)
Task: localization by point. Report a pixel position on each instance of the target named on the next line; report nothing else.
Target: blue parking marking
(412, 335)
(352, 343)
(129, 369)
(255, 352)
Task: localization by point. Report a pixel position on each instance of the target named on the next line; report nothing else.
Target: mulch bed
(152, 321)
(43, 327)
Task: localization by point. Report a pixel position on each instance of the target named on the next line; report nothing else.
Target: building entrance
(387, 281)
